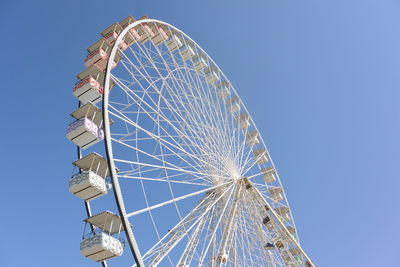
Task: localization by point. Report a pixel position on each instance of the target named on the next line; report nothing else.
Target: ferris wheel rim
(108, 140)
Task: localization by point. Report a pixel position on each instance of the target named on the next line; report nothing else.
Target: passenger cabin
(222, 258)
(283, 213)
(142, 32)
(90, 111)
(199, 63)
(275, 190)
(223, 89)
(252, 138)
(127, 21)
(123, 45)
(96, 56)
(291, 229)
(87, 185)
(268, 174)
(279, 244)
(95, 163)
(107, 221)
(275, 193)
(285, 217)
(90, 183)
(260, 156)
(187, 52)
(266, 220)
(84, 133)
(211, 75)
(95, 71)
(160, 34)
(269, 246)
(282, 210)
(98, 51)
(111, 33)
(291, 257)
(243, 121)
(246, 183)
(133, 33)
(277, 197)
(100, 44)
(148, 32)
(233, 99)
(173, 43)
(88, 90)
(103, 246)
(233, 104)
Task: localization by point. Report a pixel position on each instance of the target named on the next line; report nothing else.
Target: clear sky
(320, 78)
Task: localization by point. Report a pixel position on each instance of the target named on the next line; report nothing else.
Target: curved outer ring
(108, 145)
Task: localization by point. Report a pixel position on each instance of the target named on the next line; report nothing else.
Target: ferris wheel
(184, 177)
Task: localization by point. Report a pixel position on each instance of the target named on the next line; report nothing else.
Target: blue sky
(320, 78)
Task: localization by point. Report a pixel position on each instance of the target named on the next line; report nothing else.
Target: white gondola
(282, 210)
(291, 229)
(247, 184)
(100, 44)
(211, 75)
(276, 193)
(160, 34)
(222, 258)
(268, 174)
(84, 133)
(243, 121)
(90, 111)
(269, 246)
(93, 162)
(285, 217)
(87, 185)
(123, 45)
(111, 33)
(99, 59)
(141, 32)
(173, 43)
(275, 190)
(127, 21)
(223, 89)
(292, 257)
(107, 221)
(146, 31)
(88, 90)
(90, 184)
(279, 244)
(98, 51)
(234, 107)
(276, 197)
(95, 56)
(133, 33)
(233, 99)
(95, 71)
(252, 138)
(187, 52)
(266, 220)
(101, 247)
(260, 156)
(199, 63)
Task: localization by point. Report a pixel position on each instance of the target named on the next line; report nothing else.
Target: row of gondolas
(86, 130)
